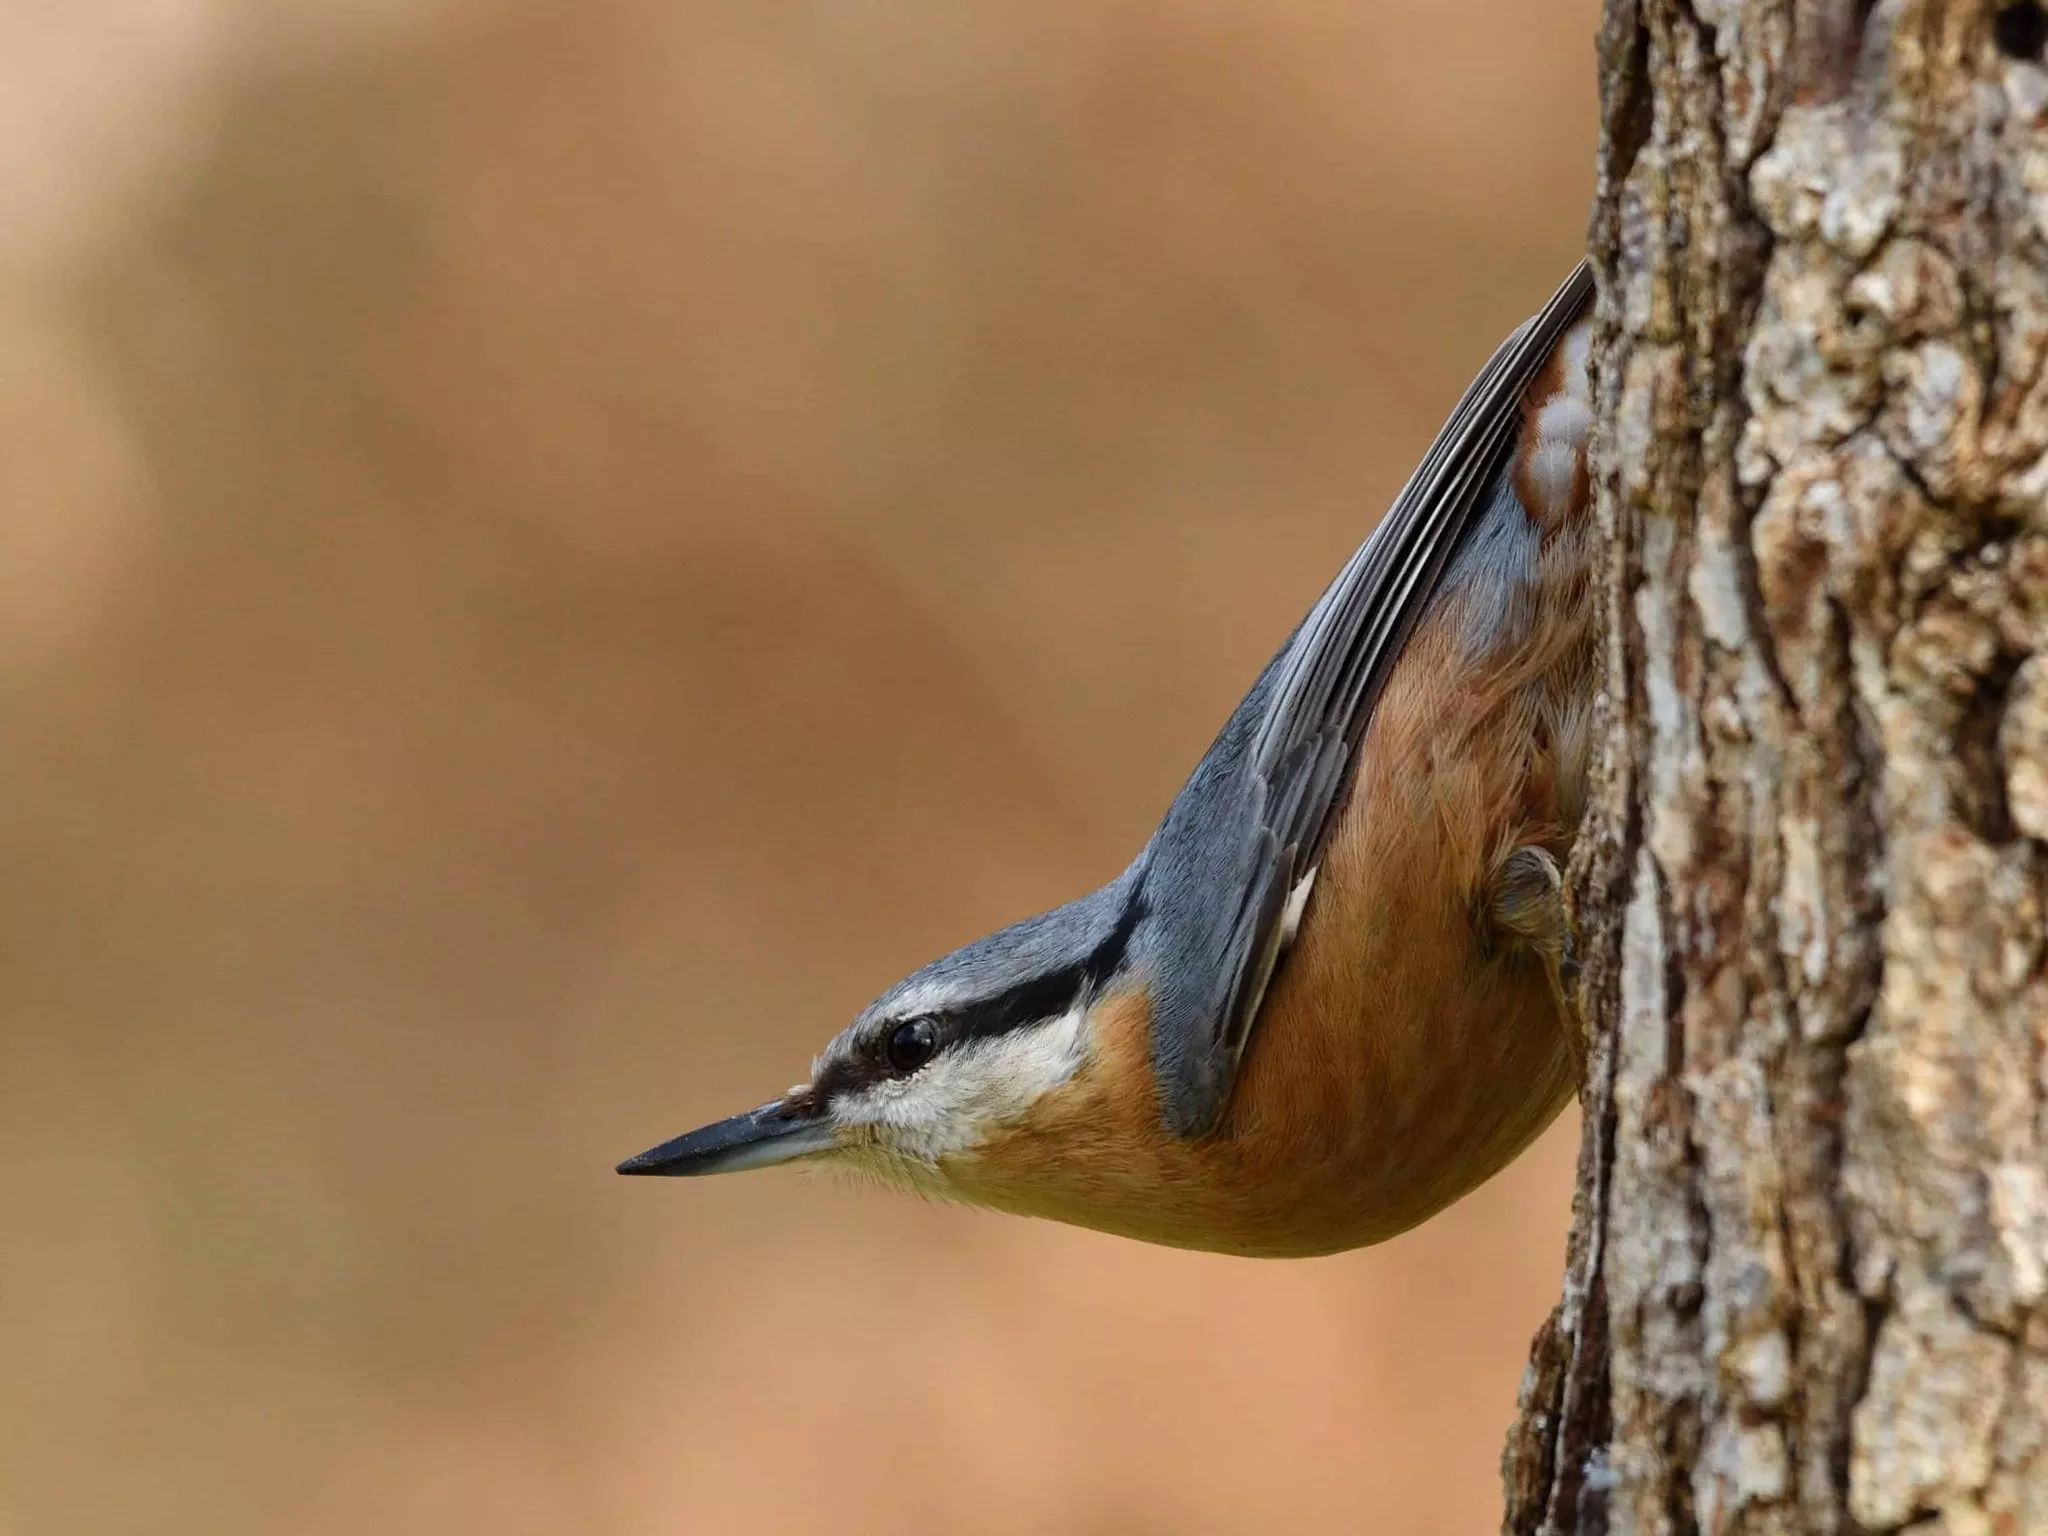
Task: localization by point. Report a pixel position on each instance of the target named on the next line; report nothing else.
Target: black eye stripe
(1044, 997)
(1033, 1001)
(1047, 996)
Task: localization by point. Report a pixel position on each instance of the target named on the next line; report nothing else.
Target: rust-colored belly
(1401, 1058)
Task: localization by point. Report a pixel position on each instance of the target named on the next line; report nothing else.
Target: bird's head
(966, 1054)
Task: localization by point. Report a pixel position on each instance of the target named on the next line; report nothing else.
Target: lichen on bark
(1807, 1285)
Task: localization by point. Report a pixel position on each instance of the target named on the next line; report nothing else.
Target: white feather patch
(1555, 447)
(1550, 470)
(1297, 903)
(1578, 360)
(925, 997)
(1564, 418)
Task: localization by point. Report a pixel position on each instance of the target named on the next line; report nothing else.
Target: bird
(1330, 996)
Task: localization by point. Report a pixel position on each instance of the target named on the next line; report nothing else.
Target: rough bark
(1807, 1286)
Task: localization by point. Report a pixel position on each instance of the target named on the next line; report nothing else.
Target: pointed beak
(774, 1133)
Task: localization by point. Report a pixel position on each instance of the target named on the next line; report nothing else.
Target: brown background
(551, 550)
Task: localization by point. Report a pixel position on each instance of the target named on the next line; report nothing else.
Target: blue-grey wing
(1252, 823)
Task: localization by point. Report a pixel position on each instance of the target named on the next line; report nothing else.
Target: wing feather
(1326, 683)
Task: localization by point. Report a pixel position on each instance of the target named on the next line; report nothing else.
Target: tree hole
(2021, 30)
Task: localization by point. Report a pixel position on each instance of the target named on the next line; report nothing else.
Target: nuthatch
(1325, 1000)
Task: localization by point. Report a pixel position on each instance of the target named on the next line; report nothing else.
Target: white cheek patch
(965, 1093)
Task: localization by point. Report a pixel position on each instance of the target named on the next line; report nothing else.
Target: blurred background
(551, 548)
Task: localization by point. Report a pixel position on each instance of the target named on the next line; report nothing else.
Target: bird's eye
(910, 1045)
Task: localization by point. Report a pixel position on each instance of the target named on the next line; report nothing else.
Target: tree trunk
(1807, 1287)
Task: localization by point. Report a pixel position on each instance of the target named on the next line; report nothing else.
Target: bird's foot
(1530, 907)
